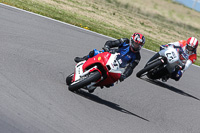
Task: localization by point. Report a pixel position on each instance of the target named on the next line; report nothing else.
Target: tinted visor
(135, 46)
(190, 48)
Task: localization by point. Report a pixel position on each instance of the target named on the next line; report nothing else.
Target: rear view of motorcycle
(163, 64)
(100, 70)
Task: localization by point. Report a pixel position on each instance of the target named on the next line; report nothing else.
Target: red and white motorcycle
(100, 70)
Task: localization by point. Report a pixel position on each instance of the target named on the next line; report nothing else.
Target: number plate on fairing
(113, 65)
(78, 70)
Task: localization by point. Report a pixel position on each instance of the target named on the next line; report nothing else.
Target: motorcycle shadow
(171, 88)
(107, 103)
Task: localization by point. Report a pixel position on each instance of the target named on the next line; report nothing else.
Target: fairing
(101, 58)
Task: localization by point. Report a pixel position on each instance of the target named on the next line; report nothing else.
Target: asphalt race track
(36, 55)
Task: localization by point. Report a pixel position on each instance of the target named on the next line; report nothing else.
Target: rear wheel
(92, 77)
(148, 68)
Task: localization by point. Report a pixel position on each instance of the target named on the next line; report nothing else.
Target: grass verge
(93, 24)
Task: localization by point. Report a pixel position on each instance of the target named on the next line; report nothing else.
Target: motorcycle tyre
(148, 68)
(69, 79)
(94, 76)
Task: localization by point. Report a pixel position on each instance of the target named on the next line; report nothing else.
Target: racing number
(171, 56)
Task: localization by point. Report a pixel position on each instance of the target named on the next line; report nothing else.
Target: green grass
(102, 27)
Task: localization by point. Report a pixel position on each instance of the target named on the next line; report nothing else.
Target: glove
(106, 48)
(122, 77)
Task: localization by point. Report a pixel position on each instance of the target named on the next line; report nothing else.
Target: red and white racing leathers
(192, 55)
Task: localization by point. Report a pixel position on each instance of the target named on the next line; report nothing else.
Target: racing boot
(176, 75)
(91, 90)
(79, 59)
(108, 86)
(91, 54)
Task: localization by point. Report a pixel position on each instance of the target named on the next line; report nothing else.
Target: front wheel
(92, 77)
(148, 68)
(69, 79)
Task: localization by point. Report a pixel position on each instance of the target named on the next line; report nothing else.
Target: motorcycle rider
(189, 48)
(129, 51)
